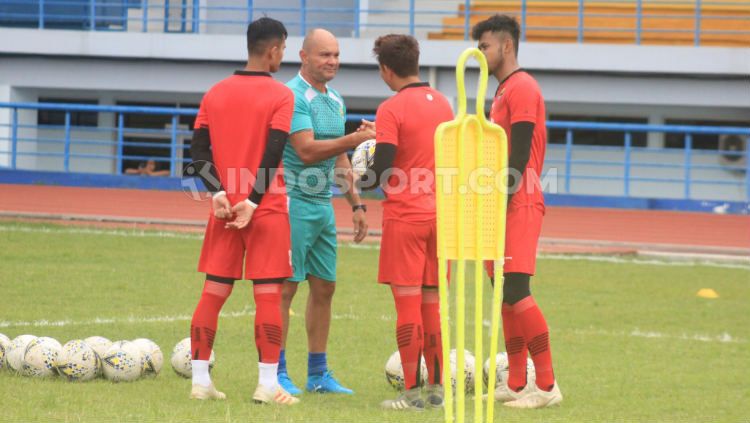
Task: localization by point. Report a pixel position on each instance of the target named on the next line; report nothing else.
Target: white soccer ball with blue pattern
(122, 362)
(16, 349)
(40, 357)
(99, 344)
(394, 371)
(182, 360)
(77, 361)
(363, 157)
(469, 370)
(502, 370)
(4, 344)
(153, 358)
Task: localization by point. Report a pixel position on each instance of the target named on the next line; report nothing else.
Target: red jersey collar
(251, 73)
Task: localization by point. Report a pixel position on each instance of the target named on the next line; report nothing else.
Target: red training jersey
(239, 111)
(519, 99)
(408, 120)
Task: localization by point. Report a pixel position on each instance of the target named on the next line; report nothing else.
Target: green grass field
(630, 340)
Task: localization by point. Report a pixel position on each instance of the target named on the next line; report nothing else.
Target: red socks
(536, 334)
(206, 318)
(432, 347)
(409, 331)
(268, 321)
(515, 346)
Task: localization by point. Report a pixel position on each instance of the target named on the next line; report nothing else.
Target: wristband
(253, 205)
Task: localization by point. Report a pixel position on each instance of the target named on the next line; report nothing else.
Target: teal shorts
(313, 228)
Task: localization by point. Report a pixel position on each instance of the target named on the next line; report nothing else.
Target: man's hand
(243, 212)
(221, 206)
(360, 225)
(365, 134)
(366, 124)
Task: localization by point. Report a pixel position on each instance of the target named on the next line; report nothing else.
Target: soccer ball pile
(394, 372)
(81, 359)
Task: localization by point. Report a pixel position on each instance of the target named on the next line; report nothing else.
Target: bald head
(320, 57)
(318, 37)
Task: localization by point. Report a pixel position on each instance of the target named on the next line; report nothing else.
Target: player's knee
(288, 290)
(323, 293)
(516, 287)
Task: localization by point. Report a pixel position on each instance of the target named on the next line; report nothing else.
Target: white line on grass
(89, 231)
(368, 246)
(622, 260)
(724, 338)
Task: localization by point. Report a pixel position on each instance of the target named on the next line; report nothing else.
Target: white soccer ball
(469, 370)
(363, 157)
(4, 344)
(77, 361)
(99, 344)
(16, 350)
(122, 362)
(394, 372)
(182, 359)
(501, 373)
(153, 358)
(40, 357)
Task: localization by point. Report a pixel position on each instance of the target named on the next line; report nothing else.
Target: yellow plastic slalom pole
(499, 247)
(478, 279)
(445, 330)
(494, 339)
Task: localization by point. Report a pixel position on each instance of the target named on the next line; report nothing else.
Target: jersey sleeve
(523, 102)
(201, 120)
(282, 116)
(386, 125)
(301, 120)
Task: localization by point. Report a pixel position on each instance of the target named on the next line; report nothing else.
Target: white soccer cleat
(409, 400)
(538, 398)
(264, 395)
(504, 394)
(434, 396)
(202, 392)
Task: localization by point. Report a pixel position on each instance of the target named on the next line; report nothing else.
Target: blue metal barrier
(20, 138)
(351, 19)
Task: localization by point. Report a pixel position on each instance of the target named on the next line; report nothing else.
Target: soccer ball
(363, 157)
(153, 359)
(16, 350)
(501, 373)
(99, 344)
(40, 357)
(182, 359)
(77, 361)
(469, 366)
(122, 362)
(4, 344)
(394, 372)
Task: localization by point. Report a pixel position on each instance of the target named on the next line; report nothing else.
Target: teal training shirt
(325, 115)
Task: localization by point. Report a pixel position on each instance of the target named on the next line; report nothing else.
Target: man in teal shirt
(317, 143)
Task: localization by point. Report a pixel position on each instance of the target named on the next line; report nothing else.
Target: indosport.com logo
(314, 181)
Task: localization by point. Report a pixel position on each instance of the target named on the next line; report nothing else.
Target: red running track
(572, 225)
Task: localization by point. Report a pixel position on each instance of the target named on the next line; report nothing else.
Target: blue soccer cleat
(288, 385)
(326, 384)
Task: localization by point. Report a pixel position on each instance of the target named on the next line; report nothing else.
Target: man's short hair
(399, 52)
(498, 23)
(262, 32)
